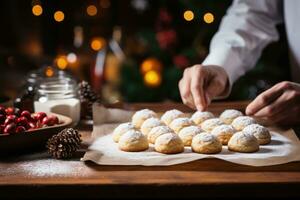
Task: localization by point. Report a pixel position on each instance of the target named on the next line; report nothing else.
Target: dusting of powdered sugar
(183, 121)
(224, 129)
(167, 138)
(243, 138)
(190, 130)
(257, 130)
(230, 114)
(144, 114)
(122, 128)
(131, 135)
(170, 115)
(243, 121)
(151, 122)
(199, 116)
(209, 124)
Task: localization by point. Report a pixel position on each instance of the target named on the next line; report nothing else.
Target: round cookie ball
(243, 142)
(206, 143)
(210, 124)
(187, 133)
(240, 123)
(261, 133)
(133, 141)
(158, 131)
(149, 124)
(179, 123)
(223, 133)
(140, 116)
(121, 129)
(229, 115)
(170, 115)
(169, 143)
(199, 117)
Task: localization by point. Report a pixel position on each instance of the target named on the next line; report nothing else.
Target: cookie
(223, 133)
(199, 117)
(243, 142)
(229, 115)
(133, 141)
(210, 124)
(179, 123)
(206, 143)
(240, 123)
(187, 133)
(140, 116)
(170, 115)
(261, 133)
(169, 143)
(149, 124)
(121, 129)
(158, 131)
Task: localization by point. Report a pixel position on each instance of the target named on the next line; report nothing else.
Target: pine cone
(87, 98)
(64, 144)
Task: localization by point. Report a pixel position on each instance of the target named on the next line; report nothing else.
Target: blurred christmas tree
(180, 38)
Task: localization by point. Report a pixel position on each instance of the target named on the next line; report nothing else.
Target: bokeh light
(61, 62)
(152, 78)
(97, 43)
(71, 58)
(208, 18)
(150, 64)
(91, 10)
(49, 72)
(37, 10)
(188, 15)
(59, 16)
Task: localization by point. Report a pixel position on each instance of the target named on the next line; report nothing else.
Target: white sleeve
(245, 30)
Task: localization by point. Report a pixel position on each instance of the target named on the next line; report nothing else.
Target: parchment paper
(284, 148)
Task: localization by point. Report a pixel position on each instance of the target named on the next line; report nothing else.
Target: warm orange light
(151, 64)
(188, 15)
(59, 16)
(208, 18)
(49, 72)
(152, 78)
(97, 43)
(37, 10)
(62, 62)
(91, 10)
(105, 3)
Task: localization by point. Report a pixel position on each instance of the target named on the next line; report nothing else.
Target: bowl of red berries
(23, 131)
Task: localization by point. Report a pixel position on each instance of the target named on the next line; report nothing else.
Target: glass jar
(58, 95)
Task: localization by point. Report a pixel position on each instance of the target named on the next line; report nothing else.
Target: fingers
(273, 108)
(267, 97)
(197, 88)
(184, 88)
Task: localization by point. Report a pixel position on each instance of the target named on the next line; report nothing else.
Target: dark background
(28, 42)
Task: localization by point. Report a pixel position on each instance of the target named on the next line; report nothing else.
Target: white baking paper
(284, 148)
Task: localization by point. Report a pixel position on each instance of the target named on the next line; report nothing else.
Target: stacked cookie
(203, 132)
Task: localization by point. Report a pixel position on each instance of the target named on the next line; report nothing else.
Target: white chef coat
(247, 28)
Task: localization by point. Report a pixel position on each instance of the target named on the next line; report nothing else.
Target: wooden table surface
(37, 175)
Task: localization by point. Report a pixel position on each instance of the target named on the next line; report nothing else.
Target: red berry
(40, 116)
(48, 121)
(26, 114)
(10, 119)
(54, 119)
(9, 111)
(20, 129)
(22, 121)
(10, 128)
(31, 125)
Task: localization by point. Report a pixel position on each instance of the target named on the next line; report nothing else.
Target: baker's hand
(280, 104)
(200, 84)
